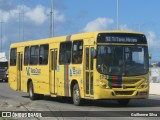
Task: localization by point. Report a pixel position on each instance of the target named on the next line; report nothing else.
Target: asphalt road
(17, 101)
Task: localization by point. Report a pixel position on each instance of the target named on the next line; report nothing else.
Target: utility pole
(139, 27)
(52, 20)
(19, 26)
(23, 21)
(117, 14)
(21, 30)
(23, 26)
(1, 23)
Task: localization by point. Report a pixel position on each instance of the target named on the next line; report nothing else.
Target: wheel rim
(76, 95)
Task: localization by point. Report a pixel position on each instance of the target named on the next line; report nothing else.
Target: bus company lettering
(33, 71)
(75, 72)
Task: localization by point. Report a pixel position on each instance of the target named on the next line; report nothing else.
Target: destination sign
(121, 38)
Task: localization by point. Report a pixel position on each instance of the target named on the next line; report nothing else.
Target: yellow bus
(95, 65)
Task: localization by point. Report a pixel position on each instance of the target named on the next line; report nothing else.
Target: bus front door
(89, 71)
(19, 78)
(53, 71)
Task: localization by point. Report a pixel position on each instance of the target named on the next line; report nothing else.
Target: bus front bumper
(121, 93)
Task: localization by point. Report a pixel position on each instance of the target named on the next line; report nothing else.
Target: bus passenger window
(77, 52)
(34, 51)
(87, 58)
(13, 56)
(43, 55)
(26, 55)
(65, 53)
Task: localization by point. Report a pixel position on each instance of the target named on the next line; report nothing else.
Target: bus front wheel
(76, 95)
(32, 95)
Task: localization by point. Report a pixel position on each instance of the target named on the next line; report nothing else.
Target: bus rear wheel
(32, 95)
(124, 102)
(76, 95)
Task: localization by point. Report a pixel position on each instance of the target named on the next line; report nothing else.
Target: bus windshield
(3, 65)
(122, 60)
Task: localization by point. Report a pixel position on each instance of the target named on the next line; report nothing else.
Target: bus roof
(73, 37)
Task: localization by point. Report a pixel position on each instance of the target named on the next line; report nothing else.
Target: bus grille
(2, 74)
(124, 92)
(130, 83)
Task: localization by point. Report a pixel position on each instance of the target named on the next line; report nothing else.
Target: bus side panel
(43, 80)
(76, 73)
(39, 77)
(25, 79)
(65, 75)
(13, 77)
(13, 72)
(60, 81)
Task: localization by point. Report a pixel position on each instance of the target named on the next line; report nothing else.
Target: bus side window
(26, 55)
(43, 54)
(65, 53)
(77, 52)
(34, 51)
(13, 56)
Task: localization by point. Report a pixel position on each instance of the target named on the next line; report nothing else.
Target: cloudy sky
(75, 16)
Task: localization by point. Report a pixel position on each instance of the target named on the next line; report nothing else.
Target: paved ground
(17, 101)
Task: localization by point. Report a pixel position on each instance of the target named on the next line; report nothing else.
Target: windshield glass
(122, 60)
(3, 65)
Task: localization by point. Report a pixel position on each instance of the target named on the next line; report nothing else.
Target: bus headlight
(143, 85)
(103, 84)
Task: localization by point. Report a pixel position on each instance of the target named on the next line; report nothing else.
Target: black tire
(76, 95)
(124, 102)
(32, 95)
(6, 80)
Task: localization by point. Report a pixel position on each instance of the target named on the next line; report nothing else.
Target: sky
(76, 16)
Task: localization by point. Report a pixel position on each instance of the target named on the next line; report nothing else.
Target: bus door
(19, 78)
(89, 50)
(53, 71)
